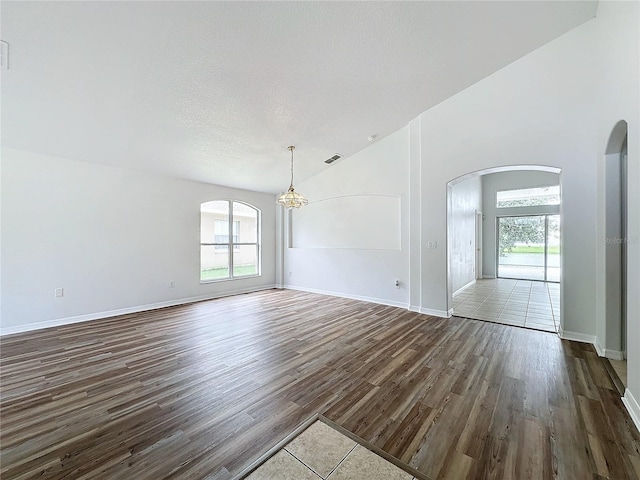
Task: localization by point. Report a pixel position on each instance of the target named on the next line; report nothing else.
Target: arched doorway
(615, 244)
(503, 246)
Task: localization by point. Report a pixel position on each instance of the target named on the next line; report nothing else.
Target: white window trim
(231, 246)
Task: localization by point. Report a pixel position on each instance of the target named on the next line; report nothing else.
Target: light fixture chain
(291, 148)
(291, 199)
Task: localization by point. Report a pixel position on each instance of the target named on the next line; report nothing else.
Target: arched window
(229, 240)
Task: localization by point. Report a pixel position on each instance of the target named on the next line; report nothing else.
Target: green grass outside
(535, 249)
(219, 273)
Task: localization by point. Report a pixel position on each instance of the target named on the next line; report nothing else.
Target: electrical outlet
(172, 284)
(397, 283)
(59, 292)
(432, 244)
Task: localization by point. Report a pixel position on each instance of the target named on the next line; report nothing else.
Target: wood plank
(203, 390)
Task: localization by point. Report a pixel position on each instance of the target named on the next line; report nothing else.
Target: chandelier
(292, 199)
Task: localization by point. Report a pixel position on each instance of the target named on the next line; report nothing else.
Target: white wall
(112, 238)
(357, 221)
(356, 263)
(618, 58)
(465, 199)
(495, 182)
(540, 110)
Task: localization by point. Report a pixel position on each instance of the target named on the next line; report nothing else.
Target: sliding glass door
(553, 248)
(529, 247)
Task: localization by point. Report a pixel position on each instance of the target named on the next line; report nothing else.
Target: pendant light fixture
(292, 199)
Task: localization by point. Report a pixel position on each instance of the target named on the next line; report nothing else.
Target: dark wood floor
(203, 390)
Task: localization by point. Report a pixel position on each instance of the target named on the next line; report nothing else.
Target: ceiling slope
(216, 91)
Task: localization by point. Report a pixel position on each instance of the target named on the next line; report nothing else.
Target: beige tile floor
(322, 452)
(522, 303)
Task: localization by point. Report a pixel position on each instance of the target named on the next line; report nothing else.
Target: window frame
(524, 189)
(220, 247)
(232, 247)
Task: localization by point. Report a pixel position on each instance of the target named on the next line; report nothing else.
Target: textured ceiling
(216, 91)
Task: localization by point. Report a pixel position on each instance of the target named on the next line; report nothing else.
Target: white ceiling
(216, 91)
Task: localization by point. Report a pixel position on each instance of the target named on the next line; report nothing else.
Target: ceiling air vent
(337, 156)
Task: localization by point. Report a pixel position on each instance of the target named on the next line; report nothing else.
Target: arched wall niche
(617, 138)
(611, 333)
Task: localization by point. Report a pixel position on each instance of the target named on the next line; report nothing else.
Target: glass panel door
(553, 248)
(529, 247)
(521, 247)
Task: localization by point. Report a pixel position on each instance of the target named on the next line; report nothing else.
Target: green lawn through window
(535, 249)
(219, 273)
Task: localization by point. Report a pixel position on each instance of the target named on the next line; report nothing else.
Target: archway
(615, 246)
(479, 271)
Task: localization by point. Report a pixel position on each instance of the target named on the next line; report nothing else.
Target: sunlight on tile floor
(322, 452)
(522, 303)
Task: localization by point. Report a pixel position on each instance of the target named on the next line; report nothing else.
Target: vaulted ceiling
(216, 91)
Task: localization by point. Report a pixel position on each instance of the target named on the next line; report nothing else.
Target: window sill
(218, 280)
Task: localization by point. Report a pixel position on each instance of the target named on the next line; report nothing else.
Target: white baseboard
(607, 352)
(380, 301)
(123, 311)
(613, 354)
(430, 311)
(472, 282)
(577, 336)
(488, 277)
(632, 407)
(437, 313)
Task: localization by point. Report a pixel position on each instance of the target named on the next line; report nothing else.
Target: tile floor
(320, 452)
(522, 303)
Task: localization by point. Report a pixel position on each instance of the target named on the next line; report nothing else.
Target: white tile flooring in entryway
(322, 453)
(522, 303)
